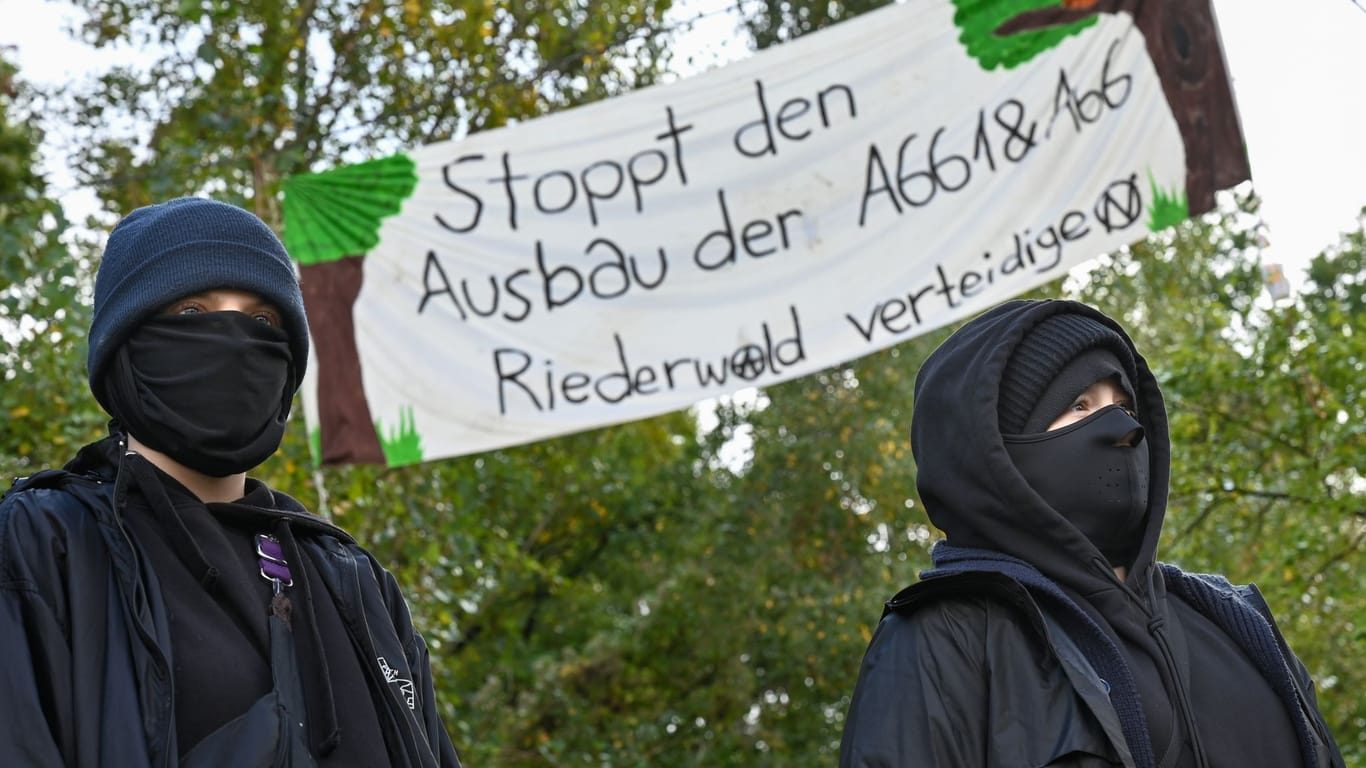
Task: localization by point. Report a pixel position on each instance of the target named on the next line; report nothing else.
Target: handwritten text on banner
(817, 202)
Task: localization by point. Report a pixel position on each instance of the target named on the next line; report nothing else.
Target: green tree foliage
(540, 576)
(770, 22)
(44, 404)
(232, 97)
(833, 529)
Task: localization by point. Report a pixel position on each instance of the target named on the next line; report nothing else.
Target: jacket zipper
(147, 637)
(1180, 697)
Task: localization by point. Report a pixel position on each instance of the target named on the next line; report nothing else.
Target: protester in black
(157, 606)
(1047, 633)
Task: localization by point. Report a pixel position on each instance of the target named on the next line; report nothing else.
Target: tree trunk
(1183, 43)
(347, 429)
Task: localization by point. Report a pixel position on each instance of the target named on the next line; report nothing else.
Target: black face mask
(1097, 485)
(209, 390)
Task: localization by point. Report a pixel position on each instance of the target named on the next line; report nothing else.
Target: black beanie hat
(1056, 361)
(164, 252)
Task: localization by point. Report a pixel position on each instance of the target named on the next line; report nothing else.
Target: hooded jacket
(84, 632)
(1023, 648)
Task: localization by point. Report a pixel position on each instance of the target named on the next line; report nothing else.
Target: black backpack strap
(48, 478)
(988, 584)
(967, 584)
(89, 489)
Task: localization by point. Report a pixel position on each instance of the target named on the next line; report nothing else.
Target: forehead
(1109, 386)
(227, 298)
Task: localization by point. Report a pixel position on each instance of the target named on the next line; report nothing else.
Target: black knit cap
(1054, 363)
(164, 252)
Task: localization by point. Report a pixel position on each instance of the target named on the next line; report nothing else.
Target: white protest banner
(822, 200)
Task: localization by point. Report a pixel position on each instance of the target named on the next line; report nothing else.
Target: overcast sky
(1297, 72)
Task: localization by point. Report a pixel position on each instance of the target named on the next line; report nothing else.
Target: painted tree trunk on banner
(1183, 42)
(347, 429)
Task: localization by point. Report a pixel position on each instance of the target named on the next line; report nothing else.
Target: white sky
(1298, 69)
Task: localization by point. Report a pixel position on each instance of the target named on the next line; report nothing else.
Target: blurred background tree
(45, 407)
(698, 588)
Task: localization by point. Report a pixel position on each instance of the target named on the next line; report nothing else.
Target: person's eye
(186, 308)
(1129, 409)
(269, 318)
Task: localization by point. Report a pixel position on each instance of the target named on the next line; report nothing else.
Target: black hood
(968, 483)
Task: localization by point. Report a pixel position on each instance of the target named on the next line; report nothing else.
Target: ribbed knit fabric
(160, 253)
(1218, 600)
(1042, 354)
(1211, 595)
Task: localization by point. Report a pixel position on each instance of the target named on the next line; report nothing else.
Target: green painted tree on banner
(980, 20)
(330, 215)
(331, 220)
(1182, 41)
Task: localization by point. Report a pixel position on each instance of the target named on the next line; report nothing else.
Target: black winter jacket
(1062, 662)
(85, 655)
(969, 668)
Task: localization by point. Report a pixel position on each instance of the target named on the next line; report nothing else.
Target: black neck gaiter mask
(210, 390)
(1101, 487)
